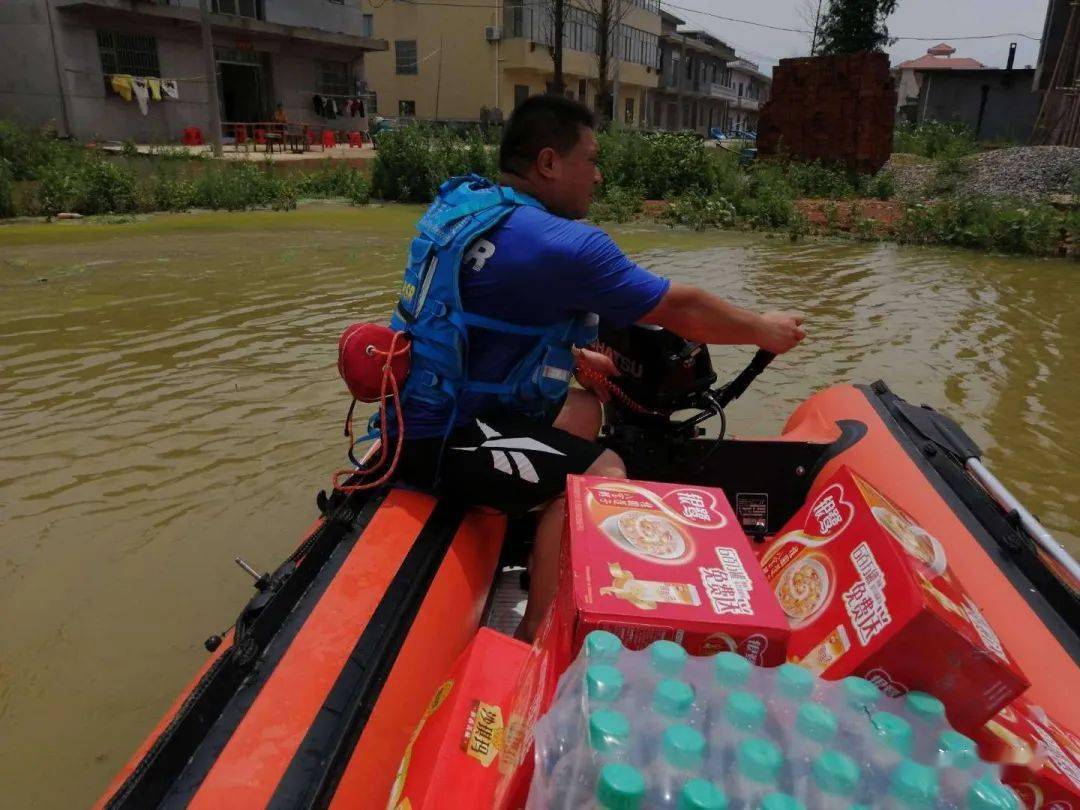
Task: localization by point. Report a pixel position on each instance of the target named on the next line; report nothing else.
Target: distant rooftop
(940, 57)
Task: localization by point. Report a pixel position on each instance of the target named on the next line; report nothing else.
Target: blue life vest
(430, 309)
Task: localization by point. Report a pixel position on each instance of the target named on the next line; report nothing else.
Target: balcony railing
(718, 90)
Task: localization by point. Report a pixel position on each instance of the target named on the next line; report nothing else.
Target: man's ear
(547, 163)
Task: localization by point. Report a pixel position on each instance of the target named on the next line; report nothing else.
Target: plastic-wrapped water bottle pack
(661, 729)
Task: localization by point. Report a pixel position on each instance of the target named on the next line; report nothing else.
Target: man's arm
(698, 315)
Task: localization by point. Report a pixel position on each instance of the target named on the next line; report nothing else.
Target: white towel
(170, 88)
(142, 94)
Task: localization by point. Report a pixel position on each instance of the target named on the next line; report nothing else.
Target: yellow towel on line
(121, 85)
(155, 88)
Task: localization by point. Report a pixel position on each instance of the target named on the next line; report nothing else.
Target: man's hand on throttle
(780, 331)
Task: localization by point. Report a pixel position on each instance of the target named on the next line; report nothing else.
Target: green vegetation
(848, 26)
(412, 162)
(617, 204)
(1008, 226)
(700, 212)
(934, 139)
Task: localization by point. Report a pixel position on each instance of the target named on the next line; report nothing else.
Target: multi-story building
(751, 90)
(452, 62)
(694, 92)
(57, 57)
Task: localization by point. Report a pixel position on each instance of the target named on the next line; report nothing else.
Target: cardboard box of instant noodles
(1041, 758)
(654, 561)
(868, 592)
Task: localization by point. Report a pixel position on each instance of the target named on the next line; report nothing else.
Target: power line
(808, 31)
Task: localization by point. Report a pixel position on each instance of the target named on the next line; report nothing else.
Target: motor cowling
(364, 351)
(658, 369)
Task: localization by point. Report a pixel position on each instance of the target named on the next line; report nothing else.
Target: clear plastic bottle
(815, 730)
(792, 686)
(742, 716)
(667, 658)
(672, 700)
(575, 773)
(854, 700)
(731, 670)
(619, 787)
(603, 687)
(602, 647)
(835, 782)
(701, 794)
(912, 786)
(681, 756)
(928, 718)
(958, 764)
(891, 740)
(781, 801)
(989, 794)
(757, 767)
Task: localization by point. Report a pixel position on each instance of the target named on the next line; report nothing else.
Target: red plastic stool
(328, 140)
(356, 139)
(240, 137)
(192, 137)
(260, 137)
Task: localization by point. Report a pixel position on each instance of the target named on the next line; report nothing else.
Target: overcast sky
(940, 20)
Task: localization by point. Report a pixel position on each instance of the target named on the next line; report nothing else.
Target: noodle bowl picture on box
(867, 591)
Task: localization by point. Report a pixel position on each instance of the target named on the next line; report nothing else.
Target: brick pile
(837, 109)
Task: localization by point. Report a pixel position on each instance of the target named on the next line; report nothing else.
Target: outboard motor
(658, 371)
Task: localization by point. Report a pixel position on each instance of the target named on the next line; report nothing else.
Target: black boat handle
(737, 387)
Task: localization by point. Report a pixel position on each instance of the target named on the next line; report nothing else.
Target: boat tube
(311, 698)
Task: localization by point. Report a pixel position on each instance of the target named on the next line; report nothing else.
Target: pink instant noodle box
(652, 561)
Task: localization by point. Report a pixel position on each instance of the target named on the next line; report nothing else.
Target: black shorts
(508, 462)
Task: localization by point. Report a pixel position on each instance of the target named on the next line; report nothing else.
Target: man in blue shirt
(539, 267)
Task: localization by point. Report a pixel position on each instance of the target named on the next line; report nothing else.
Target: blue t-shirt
(536, 269)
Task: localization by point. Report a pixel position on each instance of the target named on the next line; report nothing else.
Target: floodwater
(169, 400)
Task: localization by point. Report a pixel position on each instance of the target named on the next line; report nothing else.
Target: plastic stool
(328, 140)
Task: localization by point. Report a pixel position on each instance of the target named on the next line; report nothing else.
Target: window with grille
(406, 108)
(128, 53)
(239, 8)
(405, 56)
(628, 116)
(334, 79)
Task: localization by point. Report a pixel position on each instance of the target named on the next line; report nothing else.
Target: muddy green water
(169, 400)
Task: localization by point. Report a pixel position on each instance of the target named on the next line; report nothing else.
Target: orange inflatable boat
(311, 698)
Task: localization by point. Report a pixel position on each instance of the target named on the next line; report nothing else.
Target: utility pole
(211, 77)
(817, 24)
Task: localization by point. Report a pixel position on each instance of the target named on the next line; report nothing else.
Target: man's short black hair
(540, 122)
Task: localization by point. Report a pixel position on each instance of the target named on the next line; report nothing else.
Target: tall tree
(606, 17)
(557, 26)
(855, 25)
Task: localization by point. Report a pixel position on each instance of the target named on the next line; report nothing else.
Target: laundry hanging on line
(143, 89)
(142, 94)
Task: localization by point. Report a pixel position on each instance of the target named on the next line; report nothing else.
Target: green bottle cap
(603, 683)
(620, 787)
(781, 801)
(958, 751)
(925, 707)
(673, 698)
(667, 657)
(815, 722)
(732, 670)
(989, 794)
(860, 693)
(602, 646)
(914, 785)
(794, 682)
(699, 794)
(859, 807)
(683, 747)
(836, 773)
(759, 760)
(609, 730)
(745, 711)
(894, 731)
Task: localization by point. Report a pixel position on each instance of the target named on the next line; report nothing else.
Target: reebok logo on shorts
(507, 453)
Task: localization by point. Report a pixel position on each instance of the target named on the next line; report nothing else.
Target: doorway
(242, 84)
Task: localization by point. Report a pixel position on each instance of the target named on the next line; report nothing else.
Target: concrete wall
(956, 95)
(29, 90)
(460, 72)
(344, 18)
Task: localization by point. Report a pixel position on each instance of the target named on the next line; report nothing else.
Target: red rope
(595, 377)
(389, 381)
